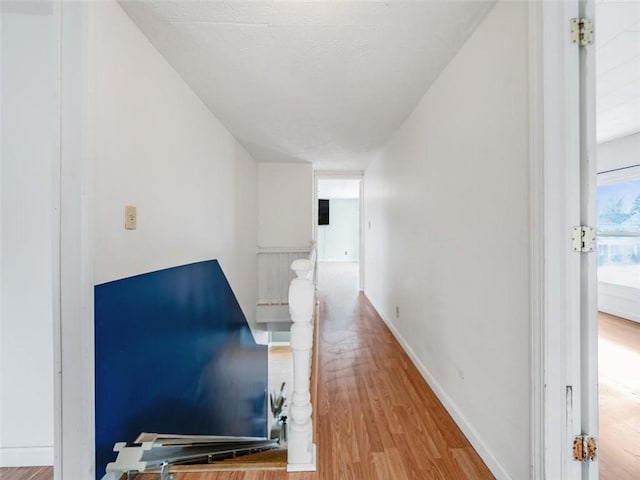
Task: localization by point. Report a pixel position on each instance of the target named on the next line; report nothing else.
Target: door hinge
(581, 31)
(585, 448)
(584, 239)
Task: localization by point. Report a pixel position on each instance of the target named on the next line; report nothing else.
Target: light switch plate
(130, 217)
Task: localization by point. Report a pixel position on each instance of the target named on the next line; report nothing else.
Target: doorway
(618, 256)
(618, 237)
(338, 225)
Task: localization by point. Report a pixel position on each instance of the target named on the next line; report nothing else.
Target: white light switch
(130, 217)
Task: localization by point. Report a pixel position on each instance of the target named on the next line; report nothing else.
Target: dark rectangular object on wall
(323, 212)
(174, 354)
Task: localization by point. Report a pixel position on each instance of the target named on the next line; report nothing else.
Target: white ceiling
(338, 188)
(318, 81)
(617, 34)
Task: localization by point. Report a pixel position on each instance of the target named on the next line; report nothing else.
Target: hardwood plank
(619, 397)
(466, 458)
(26, 473)
(396, 464)
(381, 469)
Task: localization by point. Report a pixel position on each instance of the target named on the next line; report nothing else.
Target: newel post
(301, 449)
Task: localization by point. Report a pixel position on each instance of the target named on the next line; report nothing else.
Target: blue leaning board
(174, 354)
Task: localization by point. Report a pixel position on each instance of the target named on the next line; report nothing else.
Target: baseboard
(26, 456)
(626, 314)
(469, 431)
(335, 260)
(619, 300)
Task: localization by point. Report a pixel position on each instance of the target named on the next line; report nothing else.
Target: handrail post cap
(302, 267)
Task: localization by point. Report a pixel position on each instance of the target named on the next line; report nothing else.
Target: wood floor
(27, 473)
(619, 395)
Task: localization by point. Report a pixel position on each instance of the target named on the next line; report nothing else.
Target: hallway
(231, 112)
(376, 417)
(393, 426)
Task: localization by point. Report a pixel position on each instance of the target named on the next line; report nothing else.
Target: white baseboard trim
(305, 467)
(622, 313)
(335, 260)
(619, 300)
(26, 456)
(469, 431)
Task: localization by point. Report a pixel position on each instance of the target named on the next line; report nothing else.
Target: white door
(569, 356)
(588, 276)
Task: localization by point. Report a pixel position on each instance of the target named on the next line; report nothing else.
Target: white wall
(446, 236)
(285, 199)
(340, 240)
(156, 146)
(617, 154)
(29, 97)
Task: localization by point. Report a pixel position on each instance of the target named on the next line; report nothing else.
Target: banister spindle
(301, 450)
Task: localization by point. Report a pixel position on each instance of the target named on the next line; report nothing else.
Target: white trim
(536, 242)
(1, 270)
(56, 453)
(588, 333)
(560, 333)
(74, 380)
(305, 467)
(467, 429)
(307, 249)
(26, 456)
(334, 260)
(619, 300)
(362, 243)
(314, 209)
(626, 174)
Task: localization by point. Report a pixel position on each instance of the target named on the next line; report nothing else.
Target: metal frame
(162, 453)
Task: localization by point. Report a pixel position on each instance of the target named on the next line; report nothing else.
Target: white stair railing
(302, 299)
(274, 272)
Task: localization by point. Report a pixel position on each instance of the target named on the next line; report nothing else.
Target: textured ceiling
(318, 81)
(617, 36)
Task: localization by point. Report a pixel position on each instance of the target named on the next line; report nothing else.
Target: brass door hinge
(585, 448)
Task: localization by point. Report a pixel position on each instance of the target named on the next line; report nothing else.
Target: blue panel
(174, 354)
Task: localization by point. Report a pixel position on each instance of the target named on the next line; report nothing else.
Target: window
(619, 228)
